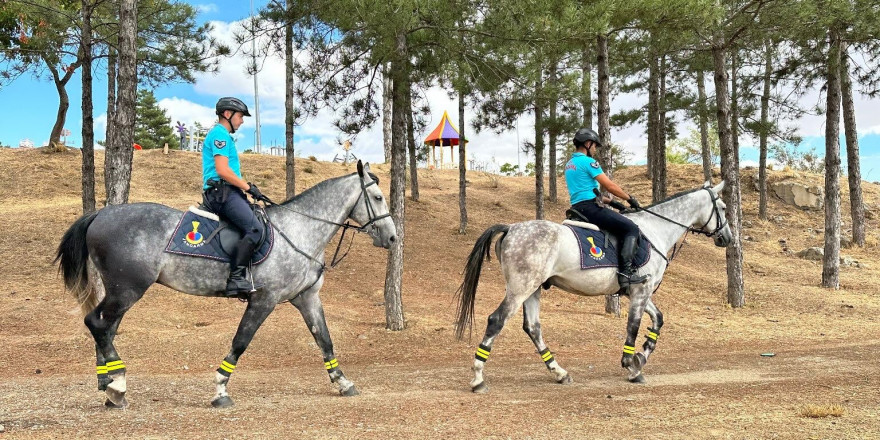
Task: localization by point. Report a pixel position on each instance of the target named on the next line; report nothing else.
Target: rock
(846, 242)
(801, 196)
(747, 223)
(869, 215)
(748, 238)
(2, 428)
(846, 260)
(811, 253)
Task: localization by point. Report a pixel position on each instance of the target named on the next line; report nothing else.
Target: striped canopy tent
(445, 135)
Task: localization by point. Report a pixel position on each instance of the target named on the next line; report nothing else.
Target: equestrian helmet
(234, 104)
(585, 134)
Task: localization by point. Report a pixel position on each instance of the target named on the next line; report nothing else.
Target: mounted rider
(583, 176)
(224, 191)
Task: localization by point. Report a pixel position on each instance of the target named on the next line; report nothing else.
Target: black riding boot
(627, 274)
(238, 282)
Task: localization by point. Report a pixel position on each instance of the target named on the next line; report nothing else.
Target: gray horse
(541, 253)
(109, 258)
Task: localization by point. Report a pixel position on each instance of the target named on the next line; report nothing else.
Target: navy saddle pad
(201, 234)
(598, 252)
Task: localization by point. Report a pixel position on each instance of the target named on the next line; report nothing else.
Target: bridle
(721, 222)
(372, 218)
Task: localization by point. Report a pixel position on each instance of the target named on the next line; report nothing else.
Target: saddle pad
(596, 254)
(196, 235)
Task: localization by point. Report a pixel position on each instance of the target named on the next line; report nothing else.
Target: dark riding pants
(607, 220)
(231, 204)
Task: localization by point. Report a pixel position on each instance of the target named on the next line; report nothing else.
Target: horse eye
(379, 198)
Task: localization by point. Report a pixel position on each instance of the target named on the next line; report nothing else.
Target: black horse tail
(468, 289)
(73, 259)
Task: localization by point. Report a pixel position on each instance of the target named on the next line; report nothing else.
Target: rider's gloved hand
(633, 203)
(255, 192)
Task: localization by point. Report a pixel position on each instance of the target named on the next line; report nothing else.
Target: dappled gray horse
(109, 258)
(541, 253)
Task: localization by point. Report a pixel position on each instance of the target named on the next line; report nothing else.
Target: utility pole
(258, 146)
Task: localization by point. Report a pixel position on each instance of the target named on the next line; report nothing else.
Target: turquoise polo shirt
(218, 142)
(580, 177)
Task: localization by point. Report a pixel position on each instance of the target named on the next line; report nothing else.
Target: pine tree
(152, 126)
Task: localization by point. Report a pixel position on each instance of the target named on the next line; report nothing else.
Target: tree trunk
(413, 162)
(734, 101)
(462, 170)
(603, 112)
(587, 86)
(660, 153)
(765, 133)
(117, 168)
(539, 147)
(831, 260)
(653, 125)
(394, 319)
(704, 126)
(730, 175)
(111, 99)
(88, 119)
(854, 171)
(386, 111)
(63, 99)
(289, 120)
(612, 302)
(553, 133)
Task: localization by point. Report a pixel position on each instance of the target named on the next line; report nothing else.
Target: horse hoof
(565, 380)
(222, 402)
(121, 405)
(351, 391)
(638, 379)
(481, 388)
(639, 361)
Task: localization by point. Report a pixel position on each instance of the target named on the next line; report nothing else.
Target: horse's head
(714, 223)
(371, 210)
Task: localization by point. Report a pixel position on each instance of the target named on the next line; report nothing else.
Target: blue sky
(31, 104)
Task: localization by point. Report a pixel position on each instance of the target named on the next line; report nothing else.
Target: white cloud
(206, 8)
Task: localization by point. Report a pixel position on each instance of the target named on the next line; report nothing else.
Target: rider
(224, 190)
(583, 175)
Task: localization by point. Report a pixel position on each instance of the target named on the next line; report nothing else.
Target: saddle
(596, 249)
(201, 233)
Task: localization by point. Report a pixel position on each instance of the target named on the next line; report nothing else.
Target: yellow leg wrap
(628, 350)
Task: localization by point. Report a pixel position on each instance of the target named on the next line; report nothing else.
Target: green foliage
(792, 157)
(689, 149)
(509, 169)
(152, 127)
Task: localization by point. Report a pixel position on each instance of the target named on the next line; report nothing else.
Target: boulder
(811, 253)
(801, 196)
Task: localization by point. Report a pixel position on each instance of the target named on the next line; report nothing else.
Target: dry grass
(821, 411)
(706, 379)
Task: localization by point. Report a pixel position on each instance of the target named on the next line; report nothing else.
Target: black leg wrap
(332, 365)
(546, 356)
(226, 368)
(482, 353)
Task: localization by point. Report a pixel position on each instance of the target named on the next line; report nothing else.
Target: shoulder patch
(595, 165)
(219, 144)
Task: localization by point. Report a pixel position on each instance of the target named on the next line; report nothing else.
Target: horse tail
(468, 289)
(73, 261)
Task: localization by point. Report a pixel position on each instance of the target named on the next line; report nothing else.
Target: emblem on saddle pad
(194, 238)
(595, 251)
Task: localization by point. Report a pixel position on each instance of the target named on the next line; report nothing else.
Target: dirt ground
(707, 378)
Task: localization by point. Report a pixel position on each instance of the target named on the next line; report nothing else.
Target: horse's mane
(675, 196)
(322, 184)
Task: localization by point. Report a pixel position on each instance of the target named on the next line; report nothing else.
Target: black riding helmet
(585, 134)
(233, 104)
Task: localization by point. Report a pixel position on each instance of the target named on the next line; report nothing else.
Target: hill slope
(707, 378)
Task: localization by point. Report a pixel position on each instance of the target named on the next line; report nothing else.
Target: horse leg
(633, 362)
(259, 307)
(653, 332)
(309, 305)
(103, 323)
(532, 327)
(497, 319)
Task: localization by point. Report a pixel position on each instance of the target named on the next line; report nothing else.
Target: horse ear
(360, 168)
(367, 168)
(717, 189)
